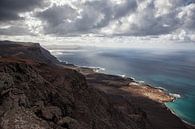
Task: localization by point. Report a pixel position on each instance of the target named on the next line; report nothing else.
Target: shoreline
(174, 113)
(97, 69)
(139, 83)
(108, 101)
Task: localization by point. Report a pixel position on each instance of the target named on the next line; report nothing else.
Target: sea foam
(175, 95)
(122, 75)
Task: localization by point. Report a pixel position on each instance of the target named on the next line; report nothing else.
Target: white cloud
(171, 19)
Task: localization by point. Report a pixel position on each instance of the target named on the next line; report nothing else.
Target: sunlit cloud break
(155, 19)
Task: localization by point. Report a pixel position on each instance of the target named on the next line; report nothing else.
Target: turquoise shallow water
(173, 70)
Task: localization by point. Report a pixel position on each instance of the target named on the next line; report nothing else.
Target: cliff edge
(37, 92)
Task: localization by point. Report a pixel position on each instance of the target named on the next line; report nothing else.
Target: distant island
(39, 92)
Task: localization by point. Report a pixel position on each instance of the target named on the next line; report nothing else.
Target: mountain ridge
(38, 92)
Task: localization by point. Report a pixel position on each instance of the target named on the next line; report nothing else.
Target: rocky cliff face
(37, 95)
(31, 51)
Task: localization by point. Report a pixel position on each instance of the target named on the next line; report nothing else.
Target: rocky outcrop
(41, 96)
(22, 50)
(35, 94)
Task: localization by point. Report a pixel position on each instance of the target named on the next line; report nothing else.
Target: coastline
(97, 96)
(90, 69)
(174, 96)
(174, 113)
(139, 82)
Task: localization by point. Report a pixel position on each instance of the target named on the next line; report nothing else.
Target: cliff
(37, 92)
(24, 50)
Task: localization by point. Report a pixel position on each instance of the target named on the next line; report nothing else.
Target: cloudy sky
(61, 19)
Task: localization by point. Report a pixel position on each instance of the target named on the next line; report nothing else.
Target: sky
(98, 20)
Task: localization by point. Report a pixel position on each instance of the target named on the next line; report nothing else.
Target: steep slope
(36, 95)
(31, 51)
(37, 92)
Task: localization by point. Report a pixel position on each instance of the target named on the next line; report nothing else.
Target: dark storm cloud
(55, 19)
(188, 18)
(95, 14)
(9, 9)
(127, 7)
(147, 23)
(15, 31)
(157, 18)
(104, 17)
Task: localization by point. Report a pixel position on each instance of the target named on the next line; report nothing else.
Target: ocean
(172, 69)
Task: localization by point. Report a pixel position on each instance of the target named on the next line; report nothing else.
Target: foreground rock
(37, 95)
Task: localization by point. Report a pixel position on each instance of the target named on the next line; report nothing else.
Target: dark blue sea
(171, 69)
